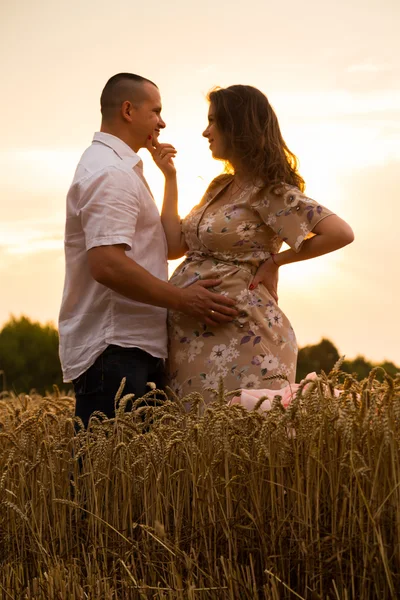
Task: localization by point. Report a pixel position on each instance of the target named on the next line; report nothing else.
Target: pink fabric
(249, 398)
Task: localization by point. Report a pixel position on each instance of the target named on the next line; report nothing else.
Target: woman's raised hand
(163, 155)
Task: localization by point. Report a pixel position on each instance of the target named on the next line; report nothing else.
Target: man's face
(146, 117)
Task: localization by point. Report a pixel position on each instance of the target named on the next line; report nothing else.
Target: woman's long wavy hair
(251, 131)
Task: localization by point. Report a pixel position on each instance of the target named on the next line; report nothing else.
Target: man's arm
(110, 266)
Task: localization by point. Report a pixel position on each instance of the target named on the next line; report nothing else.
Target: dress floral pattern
(229, 242)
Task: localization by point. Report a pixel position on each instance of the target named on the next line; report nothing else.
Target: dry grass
(218, 503)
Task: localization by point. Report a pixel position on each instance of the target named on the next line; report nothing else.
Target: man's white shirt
(109, 202)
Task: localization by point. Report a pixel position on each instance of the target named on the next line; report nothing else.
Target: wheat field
(211, 503)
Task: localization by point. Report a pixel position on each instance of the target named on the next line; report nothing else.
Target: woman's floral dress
(229, 243)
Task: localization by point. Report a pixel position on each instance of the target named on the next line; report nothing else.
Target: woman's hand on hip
(268, 275)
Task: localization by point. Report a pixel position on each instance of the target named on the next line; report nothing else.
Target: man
(112, 320)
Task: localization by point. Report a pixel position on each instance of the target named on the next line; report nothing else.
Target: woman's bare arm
(170, 219)
(163, 155)
(331, 234)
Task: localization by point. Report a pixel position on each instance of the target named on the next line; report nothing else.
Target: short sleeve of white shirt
(109, 208)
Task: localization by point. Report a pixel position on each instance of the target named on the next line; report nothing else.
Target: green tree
(390, 368)
(322, 357)
(29, 356)
(318, 357)
(360, 366)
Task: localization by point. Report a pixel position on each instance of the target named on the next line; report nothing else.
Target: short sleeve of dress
(289, 213)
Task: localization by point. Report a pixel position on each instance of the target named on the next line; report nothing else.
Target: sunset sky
(332, 73)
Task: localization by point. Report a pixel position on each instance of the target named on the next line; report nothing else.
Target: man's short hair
(121, 87)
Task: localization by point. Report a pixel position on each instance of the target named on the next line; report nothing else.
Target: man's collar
(120, 148)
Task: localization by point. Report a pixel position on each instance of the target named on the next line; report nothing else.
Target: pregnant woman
(235, 234)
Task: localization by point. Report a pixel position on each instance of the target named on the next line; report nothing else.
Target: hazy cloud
(368, 68)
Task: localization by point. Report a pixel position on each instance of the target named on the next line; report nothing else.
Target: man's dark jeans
(96, 388)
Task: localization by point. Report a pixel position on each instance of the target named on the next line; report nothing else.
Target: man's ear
(127, 109)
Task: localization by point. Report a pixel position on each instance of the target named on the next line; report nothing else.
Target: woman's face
(215, 137)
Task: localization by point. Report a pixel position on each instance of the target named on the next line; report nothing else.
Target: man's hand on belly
(210, 307)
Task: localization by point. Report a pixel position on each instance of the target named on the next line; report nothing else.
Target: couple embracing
(218, 315)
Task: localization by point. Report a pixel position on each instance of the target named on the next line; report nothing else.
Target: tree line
(29, 358)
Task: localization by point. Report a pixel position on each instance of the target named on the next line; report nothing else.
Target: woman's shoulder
(212, 188)
(220, 180)
(216, 183)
